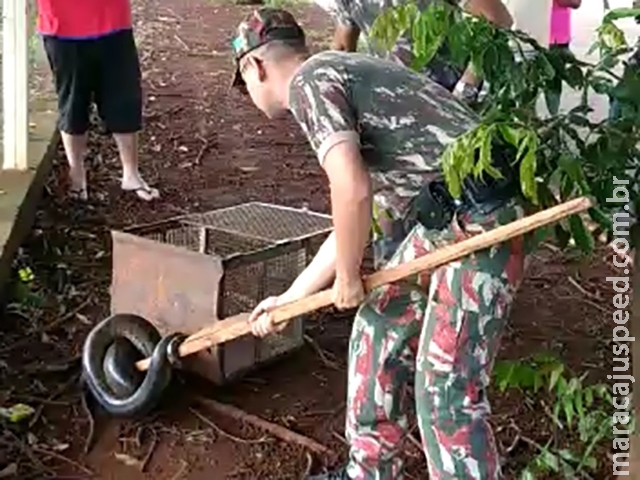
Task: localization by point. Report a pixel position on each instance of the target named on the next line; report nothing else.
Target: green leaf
(584, 239)
(527, 175)
(567, 186)
(555, 376)
(567, 455)
(573, 167)
(503, 375)
(510, 134)
(588, 397)
(602, 219)
(579, 120)
(601, 85)
(572, 386)
(562, 236)
(538, 382)
(574, 76)
(524, 376)
(17, 412)
(590, 462)
(578, 404)
(527, 474)
(550, 461)
(618, 13)
(450, 173)
(568, 409)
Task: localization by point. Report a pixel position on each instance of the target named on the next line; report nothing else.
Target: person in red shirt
(94, 59)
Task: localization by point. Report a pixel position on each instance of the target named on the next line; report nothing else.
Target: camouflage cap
(262, 26)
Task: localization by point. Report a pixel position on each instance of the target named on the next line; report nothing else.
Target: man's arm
(569, 3)
(318, 274)
(493, 10)
(341, 253)
(320, 102)
(350, 207)
(345, 38)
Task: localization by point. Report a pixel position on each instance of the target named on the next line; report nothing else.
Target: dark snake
(109, 356)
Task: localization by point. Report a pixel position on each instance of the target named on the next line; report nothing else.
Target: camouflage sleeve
(320, 103)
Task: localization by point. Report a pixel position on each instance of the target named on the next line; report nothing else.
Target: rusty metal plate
(175, 289)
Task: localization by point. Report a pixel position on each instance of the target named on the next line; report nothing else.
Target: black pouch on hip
(434, 207)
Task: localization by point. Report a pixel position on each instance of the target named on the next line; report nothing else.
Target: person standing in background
(356, 17)
(94, 59)
(560, 39)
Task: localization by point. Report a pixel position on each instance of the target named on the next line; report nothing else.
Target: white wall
(532, 17)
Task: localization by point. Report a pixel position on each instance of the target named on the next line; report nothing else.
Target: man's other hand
(261, 321)
(348, 292)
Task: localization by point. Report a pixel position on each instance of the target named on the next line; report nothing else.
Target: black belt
(434, 207)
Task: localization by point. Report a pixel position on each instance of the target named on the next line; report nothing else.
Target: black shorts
(105, 70)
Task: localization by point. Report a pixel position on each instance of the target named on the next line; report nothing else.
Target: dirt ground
(206, 147)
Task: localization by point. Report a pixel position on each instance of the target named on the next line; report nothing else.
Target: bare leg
(131, 179)
(75, 147)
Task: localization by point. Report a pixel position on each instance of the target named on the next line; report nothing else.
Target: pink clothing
(560, 27)
(83, 19)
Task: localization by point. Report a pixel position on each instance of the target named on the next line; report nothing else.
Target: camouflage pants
(438, 332)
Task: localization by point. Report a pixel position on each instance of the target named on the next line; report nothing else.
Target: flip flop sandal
(144, 192)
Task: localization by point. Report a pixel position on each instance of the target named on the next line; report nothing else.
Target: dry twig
(88, 442)
(203, 150)
(275, 430)
(582, 290)
(152, 448)
(181, 470)
(53, 396)
(68, 316)
(321, 353)
(307, 470)
(220, 431)
(62, 458)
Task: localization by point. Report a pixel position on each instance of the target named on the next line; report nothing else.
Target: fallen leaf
(9, 471)
(128, 460)
(17, 413)
(32, 439)
(83, 319)
(60, 447)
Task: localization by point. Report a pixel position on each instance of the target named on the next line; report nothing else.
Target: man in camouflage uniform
(378, 130)
(356, 17)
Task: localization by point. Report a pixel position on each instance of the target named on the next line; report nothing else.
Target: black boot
(335, 475)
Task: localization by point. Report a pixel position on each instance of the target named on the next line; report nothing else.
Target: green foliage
(25, 290)
(578, 410)
(559, 157)
(17, 413)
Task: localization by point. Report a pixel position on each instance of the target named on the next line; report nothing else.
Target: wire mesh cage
(187, 272)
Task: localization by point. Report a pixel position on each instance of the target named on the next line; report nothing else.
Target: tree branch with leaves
(559, 157)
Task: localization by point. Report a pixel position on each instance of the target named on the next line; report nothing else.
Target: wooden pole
(15, 95)
(236, 326)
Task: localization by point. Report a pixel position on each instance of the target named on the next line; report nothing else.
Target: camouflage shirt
(402, 121)
(363, 13)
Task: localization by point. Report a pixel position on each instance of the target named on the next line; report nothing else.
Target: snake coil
(108, 364)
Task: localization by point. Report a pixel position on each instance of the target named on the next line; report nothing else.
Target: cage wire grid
(245, 229)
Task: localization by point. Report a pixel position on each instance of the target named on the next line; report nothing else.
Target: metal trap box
(190, 271)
